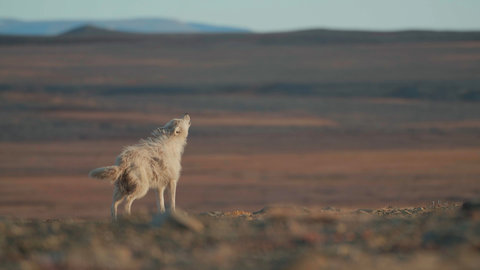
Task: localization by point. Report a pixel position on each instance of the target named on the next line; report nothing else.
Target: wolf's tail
(111, 173)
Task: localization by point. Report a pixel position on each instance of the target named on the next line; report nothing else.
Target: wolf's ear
(176, 131)
(186, 117)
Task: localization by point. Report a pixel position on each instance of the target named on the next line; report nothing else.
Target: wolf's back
(111, 173)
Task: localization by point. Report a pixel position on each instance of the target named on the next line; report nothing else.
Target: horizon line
(296, 29)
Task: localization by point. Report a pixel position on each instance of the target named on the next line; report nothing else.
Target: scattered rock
(364, 211)
(178, 219)
(212, 214)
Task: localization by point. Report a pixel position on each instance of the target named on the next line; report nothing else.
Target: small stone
(212, 214)
(364, 211)
(177, 218)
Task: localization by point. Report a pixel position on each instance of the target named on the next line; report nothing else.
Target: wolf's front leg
(172, 188)
(160, 201)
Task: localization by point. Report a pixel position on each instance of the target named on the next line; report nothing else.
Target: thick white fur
(152, 163)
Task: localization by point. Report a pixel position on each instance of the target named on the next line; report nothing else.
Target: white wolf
(152, 163)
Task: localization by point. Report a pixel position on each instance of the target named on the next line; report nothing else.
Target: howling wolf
(152, 163)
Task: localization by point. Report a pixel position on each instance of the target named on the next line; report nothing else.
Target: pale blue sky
(263, 15)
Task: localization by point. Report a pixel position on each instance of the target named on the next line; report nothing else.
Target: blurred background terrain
(317, 117)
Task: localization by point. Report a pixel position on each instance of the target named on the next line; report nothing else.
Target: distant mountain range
(145, 26)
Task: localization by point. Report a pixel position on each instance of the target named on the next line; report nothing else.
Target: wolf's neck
(173, 147)
(170, 144)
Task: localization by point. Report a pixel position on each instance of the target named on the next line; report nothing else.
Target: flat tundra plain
(289, 118)
(397, 153)
(307, 150)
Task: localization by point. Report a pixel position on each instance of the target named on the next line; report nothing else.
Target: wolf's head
(177, 127)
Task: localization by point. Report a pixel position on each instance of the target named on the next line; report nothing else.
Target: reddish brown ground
(310, 124)
(49, 179)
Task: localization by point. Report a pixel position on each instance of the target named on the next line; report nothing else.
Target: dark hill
(92, 31)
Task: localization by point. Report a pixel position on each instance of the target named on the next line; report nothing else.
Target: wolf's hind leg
(160, 201)
(128, 204)
(117, 199)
